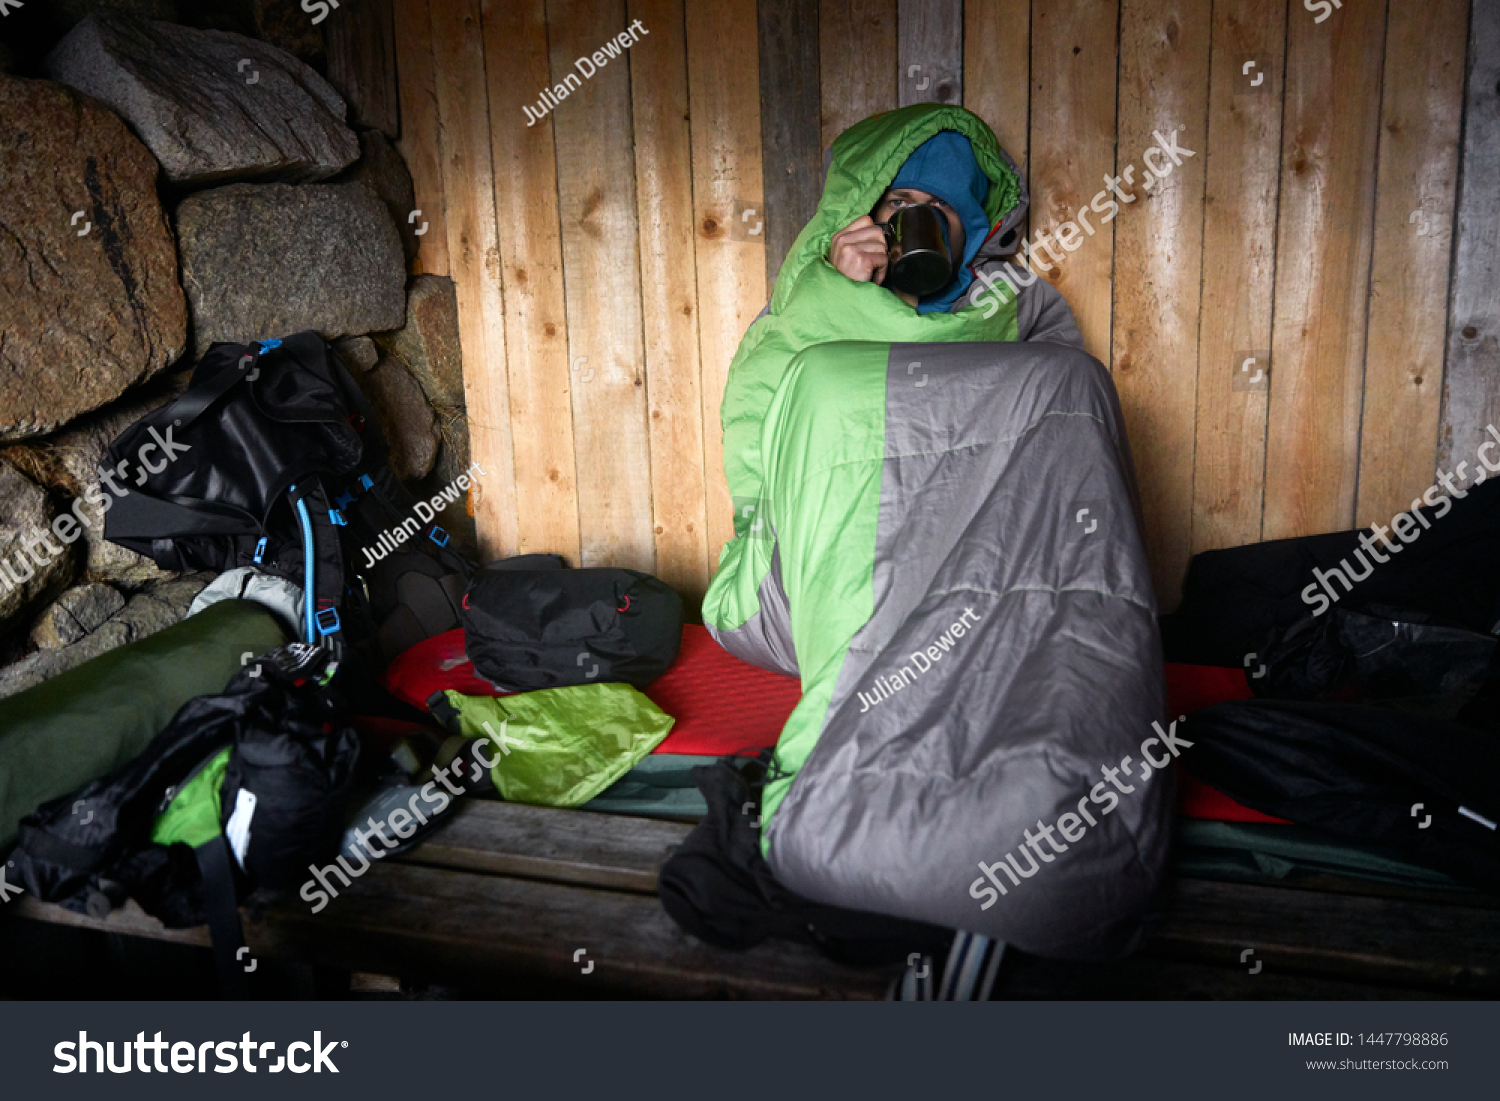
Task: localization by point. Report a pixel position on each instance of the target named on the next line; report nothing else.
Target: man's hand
(858, 250)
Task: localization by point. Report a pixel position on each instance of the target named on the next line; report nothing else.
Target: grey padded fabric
(989, 468)
(280, 597)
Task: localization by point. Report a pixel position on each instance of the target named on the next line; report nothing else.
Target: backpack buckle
(433, 535)
(260, 550)
(328, 621)
(337, 518)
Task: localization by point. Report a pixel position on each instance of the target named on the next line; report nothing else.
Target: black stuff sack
(288, 765)
(528, 623)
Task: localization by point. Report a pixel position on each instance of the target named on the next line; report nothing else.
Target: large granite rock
(211, 105)
(381, 169)
(358, 353)
(68, 464)
(78, 612)
(159, 605)
(84, 317)
(264, 260)
(34, 562)
(405, 417)
(428, 345)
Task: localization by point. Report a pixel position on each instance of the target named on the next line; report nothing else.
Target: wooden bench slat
(1368, 939)
(598, 850)
(481, 930)
(129, 919)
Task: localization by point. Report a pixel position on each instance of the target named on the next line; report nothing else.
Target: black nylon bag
(257, 420)
(1392, 656)
(1359, 770)
(91, 850)
(717, 887)
(550, 628)
(301, 765)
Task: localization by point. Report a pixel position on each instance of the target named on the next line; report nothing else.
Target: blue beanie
(944, 166)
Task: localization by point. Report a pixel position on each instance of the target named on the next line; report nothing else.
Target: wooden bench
(505, 898)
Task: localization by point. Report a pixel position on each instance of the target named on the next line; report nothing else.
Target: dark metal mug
(920, 261)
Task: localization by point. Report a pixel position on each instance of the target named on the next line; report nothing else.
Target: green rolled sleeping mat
(89, 721)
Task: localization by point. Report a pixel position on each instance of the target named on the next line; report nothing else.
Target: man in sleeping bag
(937, 530)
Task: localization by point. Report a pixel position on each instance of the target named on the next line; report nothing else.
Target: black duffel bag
(529, 623)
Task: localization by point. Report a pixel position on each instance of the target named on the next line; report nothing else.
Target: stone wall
(179, 172)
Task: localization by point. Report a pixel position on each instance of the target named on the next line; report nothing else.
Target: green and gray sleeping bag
(937, 529)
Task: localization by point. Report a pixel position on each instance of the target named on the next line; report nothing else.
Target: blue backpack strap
(323, 573)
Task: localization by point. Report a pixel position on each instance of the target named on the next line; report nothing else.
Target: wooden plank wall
(1335, 222)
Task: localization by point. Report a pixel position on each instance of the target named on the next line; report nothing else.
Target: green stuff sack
(92, 720)
(559, 747)
(193, 816)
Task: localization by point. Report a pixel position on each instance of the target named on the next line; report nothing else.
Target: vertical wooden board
(361, 41)
(1073, 70)
(536, 322)
(474, 263)
(1471, 383)
(1329, 145)
(724, 99)
(419, 133)
(1242, 163)
(997, 69)
(856, 41)
(789, 124)
(1164, 46)
(930, 37)
(1420, 116)
(669, 301)
(601, 274)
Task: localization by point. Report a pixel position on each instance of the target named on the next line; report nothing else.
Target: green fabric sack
(92, 720)
(193, 815)
(560, 747)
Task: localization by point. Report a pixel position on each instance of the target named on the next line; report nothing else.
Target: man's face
(897, 197)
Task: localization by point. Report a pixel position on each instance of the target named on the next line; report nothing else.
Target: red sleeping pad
(721, 704)
(724, 705)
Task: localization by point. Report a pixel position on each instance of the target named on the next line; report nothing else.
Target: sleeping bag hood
(866, 159)
(814, 303)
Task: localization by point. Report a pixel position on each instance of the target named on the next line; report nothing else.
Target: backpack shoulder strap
(216, 864)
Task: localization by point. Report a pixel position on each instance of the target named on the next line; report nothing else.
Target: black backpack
(290, 755)
(273, 459)
(529, 623)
